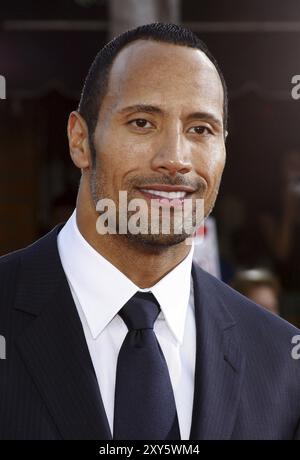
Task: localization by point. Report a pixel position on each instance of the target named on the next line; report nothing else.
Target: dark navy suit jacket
(247, 385)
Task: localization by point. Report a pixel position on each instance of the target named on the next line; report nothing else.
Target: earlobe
(78, 140)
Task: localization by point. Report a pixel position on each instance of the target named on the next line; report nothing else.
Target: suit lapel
(219, 363)
(54, 348)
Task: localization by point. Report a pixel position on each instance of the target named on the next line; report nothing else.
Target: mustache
(199, 184)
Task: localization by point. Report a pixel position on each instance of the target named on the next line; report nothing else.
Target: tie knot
(141, 311)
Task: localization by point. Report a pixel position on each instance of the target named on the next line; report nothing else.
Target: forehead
(164, 74)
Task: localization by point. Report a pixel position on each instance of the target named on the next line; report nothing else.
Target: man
(260, 285)
(116, 335)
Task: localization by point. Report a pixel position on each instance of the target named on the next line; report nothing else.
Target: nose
(173, 155)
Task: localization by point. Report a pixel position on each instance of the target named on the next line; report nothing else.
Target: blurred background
(45, 52)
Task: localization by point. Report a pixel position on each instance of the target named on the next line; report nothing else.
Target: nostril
(178, 166)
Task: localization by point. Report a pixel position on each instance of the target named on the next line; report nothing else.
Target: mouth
(165, 194)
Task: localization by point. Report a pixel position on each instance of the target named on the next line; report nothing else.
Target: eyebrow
(141, 108)
(206, 116)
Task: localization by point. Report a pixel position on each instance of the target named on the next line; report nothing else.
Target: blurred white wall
(127, 14)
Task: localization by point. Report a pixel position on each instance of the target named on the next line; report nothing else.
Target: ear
(78, 141)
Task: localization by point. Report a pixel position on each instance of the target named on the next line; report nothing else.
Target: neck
(143, 264)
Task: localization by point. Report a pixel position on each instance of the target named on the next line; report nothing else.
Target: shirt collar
(102, 290)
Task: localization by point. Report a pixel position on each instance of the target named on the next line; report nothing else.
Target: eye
(140, 123)
(201, 130)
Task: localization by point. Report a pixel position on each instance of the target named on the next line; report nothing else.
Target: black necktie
(144, 401)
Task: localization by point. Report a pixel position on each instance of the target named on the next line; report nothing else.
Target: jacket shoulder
(9, 264)
(25, 266)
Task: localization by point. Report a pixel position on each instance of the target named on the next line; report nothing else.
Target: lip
(168, 188)
(176, 202)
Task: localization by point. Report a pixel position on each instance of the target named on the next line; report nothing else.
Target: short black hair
(96, 82)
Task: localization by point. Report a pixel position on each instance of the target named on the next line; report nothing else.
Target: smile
(163, 194)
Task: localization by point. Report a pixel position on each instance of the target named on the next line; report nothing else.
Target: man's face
(160, 129)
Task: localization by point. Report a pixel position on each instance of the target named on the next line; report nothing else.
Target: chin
(157, 241)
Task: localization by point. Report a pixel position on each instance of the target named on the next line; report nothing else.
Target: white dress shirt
(100, 290)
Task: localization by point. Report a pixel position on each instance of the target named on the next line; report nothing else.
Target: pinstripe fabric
(247, 386)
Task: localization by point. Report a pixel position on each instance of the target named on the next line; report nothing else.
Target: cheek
(217, 159)
(119, 147)
(220, 164)
(211, 165)
(117, 159)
